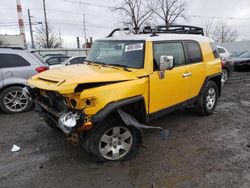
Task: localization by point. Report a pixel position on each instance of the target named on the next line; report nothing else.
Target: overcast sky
(100, 20)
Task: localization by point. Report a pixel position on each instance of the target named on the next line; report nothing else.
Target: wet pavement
(200, 151)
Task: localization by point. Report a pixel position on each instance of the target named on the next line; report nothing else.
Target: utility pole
(78, 42)
(46, 24)
(84, 28)
(31, 31)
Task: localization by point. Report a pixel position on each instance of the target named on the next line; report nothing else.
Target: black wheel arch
(10, 85)
(216, 78)
(135, 106)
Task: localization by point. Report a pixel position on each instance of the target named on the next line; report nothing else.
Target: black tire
(201, 105)
(51, 123)
(6, 107)
(92, 139)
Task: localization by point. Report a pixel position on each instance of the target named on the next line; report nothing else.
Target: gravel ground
(200, 151)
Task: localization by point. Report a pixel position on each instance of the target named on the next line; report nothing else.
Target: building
(16, 41)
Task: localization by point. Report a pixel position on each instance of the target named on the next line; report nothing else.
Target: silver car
(16, 66)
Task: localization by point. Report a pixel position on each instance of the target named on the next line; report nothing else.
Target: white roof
(162, 37)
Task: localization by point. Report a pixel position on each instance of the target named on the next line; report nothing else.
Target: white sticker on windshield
(134, 47)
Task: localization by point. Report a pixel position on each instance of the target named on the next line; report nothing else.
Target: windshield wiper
(122, 66)
(106, 64)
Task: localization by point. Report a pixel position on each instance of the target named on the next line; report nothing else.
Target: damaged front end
(53, 106)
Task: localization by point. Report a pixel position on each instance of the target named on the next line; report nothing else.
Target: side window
(62, 59)
(215, 50)
(77, 60)
(194, 52)
(53, 61)
(174, 49)
(12, 60)
(221, 50)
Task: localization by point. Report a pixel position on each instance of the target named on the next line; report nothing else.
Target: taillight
(223, 64)
(42, 69)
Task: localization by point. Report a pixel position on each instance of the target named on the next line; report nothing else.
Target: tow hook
(131, 121)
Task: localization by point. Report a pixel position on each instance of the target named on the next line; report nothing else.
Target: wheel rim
(211, 98)
(16, 101)
(224, 78)
(115, 143)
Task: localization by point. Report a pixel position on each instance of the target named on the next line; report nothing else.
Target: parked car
(242, 63)
(227, 69)
(16, 66)
(127, 82)
(55, 60)
(237, 54)
(223, 52)
(70, 61)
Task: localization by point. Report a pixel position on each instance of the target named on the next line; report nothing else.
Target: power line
(88, 4)
(219, 17)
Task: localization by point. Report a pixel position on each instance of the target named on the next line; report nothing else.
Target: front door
(174, 87)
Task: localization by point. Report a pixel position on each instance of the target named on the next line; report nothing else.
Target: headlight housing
(68, 121)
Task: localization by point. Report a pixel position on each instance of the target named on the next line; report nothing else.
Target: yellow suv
(126, 82)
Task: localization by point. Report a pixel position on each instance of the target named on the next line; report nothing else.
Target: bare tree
(41, 40)
(224, 32)
(220, 32)
(134, 13)
(169, 10)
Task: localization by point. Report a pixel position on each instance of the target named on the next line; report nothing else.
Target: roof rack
(178, 29)
(136, 29)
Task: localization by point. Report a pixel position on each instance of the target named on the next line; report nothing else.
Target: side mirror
(166, 63)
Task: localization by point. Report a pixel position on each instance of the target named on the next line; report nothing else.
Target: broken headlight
(68, 121)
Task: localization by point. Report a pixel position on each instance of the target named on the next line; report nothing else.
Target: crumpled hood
(65, 79)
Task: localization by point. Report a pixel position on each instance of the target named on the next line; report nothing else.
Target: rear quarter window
(215, 50)
(12, 60)
(194, 52)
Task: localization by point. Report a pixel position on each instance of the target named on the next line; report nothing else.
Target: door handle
(188, 74)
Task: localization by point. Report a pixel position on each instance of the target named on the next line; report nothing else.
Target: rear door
(15, 68)
(195, 60)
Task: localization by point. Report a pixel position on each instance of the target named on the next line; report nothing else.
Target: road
(200, 151)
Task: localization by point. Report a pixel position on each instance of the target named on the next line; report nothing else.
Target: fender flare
(108, 109)
(213, 78)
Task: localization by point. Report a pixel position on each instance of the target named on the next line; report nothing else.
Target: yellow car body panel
(105, 94)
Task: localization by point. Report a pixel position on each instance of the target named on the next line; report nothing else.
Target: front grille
(54, 100)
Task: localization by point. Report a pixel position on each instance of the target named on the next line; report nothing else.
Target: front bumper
(55, 110)
(56, 117)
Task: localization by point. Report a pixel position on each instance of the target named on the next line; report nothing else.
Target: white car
(70, 61)
(223, 52)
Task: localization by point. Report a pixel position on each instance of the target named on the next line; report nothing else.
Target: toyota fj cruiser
(126, 82)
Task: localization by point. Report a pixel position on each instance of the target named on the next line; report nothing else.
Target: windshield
(245, 55)
(118, 53)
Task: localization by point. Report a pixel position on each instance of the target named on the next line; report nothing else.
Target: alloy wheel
(115, 143)
(16, 101)
(211, 98)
